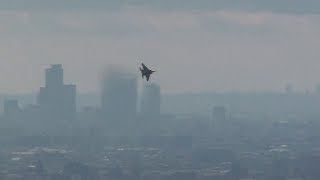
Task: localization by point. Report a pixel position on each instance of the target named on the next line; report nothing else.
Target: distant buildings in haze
(56, 99)
(119, 96)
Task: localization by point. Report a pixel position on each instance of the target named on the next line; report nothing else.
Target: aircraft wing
(144, 67)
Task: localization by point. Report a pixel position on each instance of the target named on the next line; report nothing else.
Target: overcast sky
(195, 45)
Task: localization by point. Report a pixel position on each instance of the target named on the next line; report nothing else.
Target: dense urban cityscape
(146, 135)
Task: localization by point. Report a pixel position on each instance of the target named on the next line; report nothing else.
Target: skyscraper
(57, 100)
(150, 101)
(54, 76)
(119, 96)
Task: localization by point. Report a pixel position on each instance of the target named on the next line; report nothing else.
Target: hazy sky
(196, 45)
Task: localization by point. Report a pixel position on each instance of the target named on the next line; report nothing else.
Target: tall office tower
(57, 100)
(219, 117)
(119, 96)
(54, 76)
(150, 101)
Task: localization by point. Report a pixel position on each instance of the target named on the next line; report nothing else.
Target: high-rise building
(150, 101)
(57, 100)
(119, 96)
(54, 76)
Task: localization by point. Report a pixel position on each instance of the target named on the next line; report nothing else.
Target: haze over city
(159, 90)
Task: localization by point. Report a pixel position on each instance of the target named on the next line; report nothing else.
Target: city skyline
(235, 94)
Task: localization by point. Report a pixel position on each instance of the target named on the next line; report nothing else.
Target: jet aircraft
(146, 72)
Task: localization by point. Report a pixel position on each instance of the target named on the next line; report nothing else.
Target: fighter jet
(146, 71)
